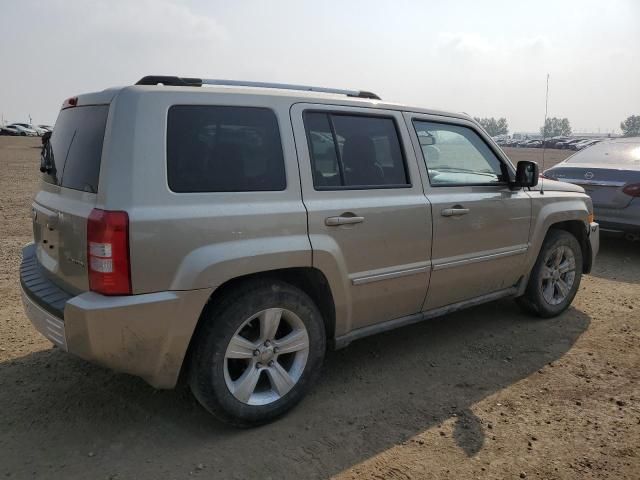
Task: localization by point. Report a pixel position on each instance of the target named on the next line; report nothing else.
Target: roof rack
(198, 82)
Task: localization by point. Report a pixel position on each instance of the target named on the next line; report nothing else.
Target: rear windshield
(73, 154)
(609, 152)
(223, 149)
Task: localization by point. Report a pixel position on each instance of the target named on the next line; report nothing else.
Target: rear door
(480, 226)
(71, 163)
(369, 220)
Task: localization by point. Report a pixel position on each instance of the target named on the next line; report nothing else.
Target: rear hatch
(71, 167)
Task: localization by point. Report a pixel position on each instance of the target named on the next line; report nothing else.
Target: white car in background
(17, 129)
(37, 131)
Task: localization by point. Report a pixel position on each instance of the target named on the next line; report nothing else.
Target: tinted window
(223, 149)
(456, 155)
(74, 151)
(354, 151)
(326, 169)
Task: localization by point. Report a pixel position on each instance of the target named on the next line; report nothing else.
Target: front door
(480, 226)
(369, 220)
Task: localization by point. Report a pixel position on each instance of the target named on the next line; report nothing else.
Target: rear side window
(223, 149)
(74, 151)
(354, 151)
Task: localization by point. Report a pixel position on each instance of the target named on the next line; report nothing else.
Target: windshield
(609, 152)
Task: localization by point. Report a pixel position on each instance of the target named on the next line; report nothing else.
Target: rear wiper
(47, 163)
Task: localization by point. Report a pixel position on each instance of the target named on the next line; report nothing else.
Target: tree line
(554, 127)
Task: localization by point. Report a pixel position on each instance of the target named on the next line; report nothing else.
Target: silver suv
(228, 234)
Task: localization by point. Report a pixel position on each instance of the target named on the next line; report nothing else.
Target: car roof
(295, 96)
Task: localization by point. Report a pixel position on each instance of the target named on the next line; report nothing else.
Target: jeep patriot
(228, 233)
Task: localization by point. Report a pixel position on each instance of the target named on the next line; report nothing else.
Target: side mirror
(526, 174)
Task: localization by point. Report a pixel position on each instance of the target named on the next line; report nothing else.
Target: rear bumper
(47, 324)
(621, 220)
(144, 335)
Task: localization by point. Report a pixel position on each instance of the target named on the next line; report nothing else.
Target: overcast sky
(486, 58)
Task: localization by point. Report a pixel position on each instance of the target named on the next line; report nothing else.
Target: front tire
(556, 275)
(258, 352)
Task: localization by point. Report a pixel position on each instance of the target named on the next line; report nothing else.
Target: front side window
(223, 149)
(354, 151)
(456, 155)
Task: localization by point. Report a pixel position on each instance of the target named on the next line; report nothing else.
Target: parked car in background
(553, 141)
(9, 131)
(584, 144)
(39, 131)
(529, 143)
(567, 144)
(47, 128)
(18, 129)
(609, 171)
(228, 235)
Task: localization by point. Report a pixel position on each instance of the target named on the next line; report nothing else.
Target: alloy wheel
(266, 356)
(558, 275)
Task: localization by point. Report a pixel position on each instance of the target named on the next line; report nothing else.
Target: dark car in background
(584, 143)
(568, 143)
(552, 142)
(609, 171)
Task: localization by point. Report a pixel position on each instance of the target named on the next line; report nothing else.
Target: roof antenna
(544, 135)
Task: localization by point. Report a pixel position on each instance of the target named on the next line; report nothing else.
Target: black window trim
(206, 192)
(348, 113)
(505, 166)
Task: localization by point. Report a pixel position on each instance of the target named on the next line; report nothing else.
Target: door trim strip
(344, 340)
(390, 273)
(441, 265)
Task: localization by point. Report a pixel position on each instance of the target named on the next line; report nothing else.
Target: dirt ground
(484, 393)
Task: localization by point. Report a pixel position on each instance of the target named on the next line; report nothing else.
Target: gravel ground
(484, 393)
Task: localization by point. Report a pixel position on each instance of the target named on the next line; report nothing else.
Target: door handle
(342, 220)
(454, 212)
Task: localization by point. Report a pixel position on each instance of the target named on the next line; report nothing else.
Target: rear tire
(556, 275)
(258, 351)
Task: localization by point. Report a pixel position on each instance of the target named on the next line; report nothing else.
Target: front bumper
(594, 243)
(144, 335)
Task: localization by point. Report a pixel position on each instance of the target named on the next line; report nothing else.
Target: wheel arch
(569, 216)
(310, 280)
(578, 230)
(569, 213)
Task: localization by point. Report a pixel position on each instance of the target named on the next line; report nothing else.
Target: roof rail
(198, 82)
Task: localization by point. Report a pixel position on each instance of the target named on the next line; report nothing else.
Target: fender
(212, 265)
(552, 208)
